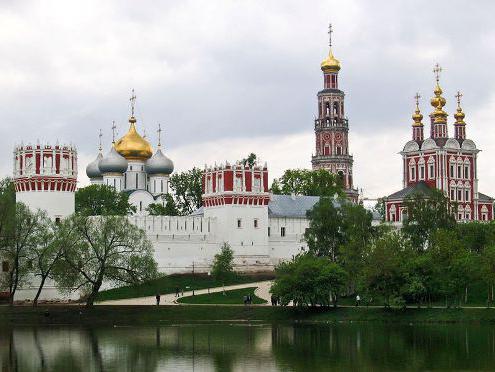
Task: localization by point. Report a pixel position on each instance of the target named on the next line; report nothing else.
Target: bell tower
(332, 126)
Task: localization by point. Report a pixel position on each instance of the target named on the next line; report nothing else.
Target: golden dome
(132, 146)
(330, 64)
(459, 115)
(417, 116)
(439, 115)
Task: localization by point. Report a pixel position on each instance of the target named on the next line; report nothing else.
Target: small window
(459, 195)
(282, 231)
(268, 230)
(255, 223)
(239, 223)
(57, 220)
(5, 266)
(432, 171)
(459, 171)
(467, 196)
(140, 206)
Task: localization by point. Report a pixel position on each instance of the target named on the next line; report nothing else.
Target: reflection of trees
(384, 347)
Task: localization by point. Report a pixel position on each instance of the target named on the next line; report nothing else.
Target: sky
(226, 78)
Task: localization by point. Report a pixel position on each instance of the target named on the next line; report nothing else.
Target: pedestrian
(182, 290)
(245, 299)
(157, 299)
(358, 299)
(250, 299)
(272, 299)
(176, 291)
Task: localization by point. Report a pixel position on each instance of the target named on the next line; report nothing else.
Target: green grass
(153, 315)
(233, 297)
(168, 284)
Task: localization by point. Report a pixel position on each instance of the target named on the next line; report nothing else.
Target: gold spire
(330, 64)
(459, 115)
(132, 146)
(417, 116)
(439, 115)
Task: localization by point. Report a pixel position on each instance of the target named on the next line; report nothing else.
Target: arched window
(412, 170)
(431, 168)
(339, 150)
(327, 109)
(336, 109)
(452, 191)
(421, 169)
(452, 168)
(326, 149)
(467, 169)
(392, 213)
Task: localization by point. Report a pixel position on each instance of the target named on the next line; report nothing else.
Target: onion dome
(132, 146)
(439, 115)
(113, 162)
(92, 170)
(330, 64)
(459, 115)
(159, 164)
(417, 116)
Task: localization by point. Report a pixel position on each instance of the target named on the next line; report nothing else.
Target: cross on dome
(330, 31)
(437, 70)
(159, 131)
(99, 141)
(417, 97)
(458, 96)
(133, 102)
(113, 131)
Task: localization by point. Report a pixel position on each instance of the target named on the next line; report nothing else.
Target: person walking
(157, 299)
(176, 291)
(358, 300)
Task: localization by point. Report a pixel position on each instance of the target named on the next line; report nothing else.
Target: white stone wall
(56, 203)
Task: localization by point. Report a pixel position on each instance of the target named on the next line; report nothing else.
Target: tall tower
(332, 126)
(45, 178)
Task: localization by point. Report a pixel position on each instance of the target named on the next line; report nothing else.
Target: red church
(442, 162)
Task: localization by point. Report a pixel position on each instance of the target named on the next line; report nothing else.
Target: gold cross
(113, 131)
(458, 96)
(417, 97)
(99, 141)
(133, 102)
(437, 70)
(330, 34)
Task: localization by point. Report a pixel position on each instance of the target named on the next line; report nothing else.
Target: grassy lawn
(233, 297)
(168, 284)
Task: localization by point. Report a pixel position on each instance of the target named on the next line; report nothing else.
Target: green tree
(102, 200)
(426, 214)
(223, 264)
(17, 247)
(383, 274)
(7, 209)
(488, 271)
(308, 281)
(308, 182)
(157, 209)
(188, 190)
(108, 249)
(250, 160)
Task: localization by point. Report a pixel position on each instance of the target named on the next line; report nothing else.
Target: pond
(254, 347)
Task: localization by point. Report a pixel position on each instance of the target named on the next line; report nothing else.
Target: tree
(426, 214)
(488, 271)
(51, 241)
(157, 209)
(17, 246)
(324, 234)
(108, 249)
(250, 160)
(308, 182)
(223, 264)
(102, 200)
(308, 281)
(7, 208)
(383, 273)
(188, 190)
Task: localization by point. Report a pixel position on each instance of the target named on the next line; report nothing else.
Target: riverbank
(142, 315)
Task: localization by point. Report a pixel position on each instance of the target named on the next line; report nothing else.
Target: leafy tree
(223, 264)
(250, 160)
(383, 273)
(51, 241)
(476, 236)
(308, 182)
(426, 214)
(16, 248)
(157, 209)
(380, 208)
(7, 209)
(308, 280)
(188, 190)
(102, 200)
(488, 271)
(324, 234)
(108, 249)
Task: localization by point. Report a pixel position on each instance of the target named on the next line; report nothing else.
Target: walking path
(262, 291)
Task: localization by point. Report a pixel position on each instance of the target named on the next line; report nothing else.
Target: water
(263, 347)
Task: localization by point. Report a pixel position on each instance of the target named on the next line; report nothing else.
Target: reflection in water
(214, 347)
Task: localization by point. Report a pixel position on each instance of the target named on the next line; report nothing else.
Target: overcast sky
(225, 78)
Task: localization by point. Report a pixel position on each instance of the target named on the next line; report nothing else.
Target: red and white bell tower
(332, 127)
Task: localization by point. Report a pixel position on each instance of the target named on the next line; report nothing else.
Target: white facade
(57, 204)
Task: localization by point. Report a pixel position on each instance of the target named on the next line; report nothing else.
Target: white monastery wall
(55, 203)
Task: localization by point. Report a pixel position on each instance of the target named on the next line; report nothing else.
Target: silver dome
(92, 170)
(159, 164)
(112, 162)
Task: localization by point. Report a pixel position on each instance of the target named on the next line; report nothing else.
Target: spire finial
(113, 131)
(159, 131)
(416, 98)
(133, 102)
(458, 96)
(330, 31)
(417, 116)
(99, 141)
(437, 70)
